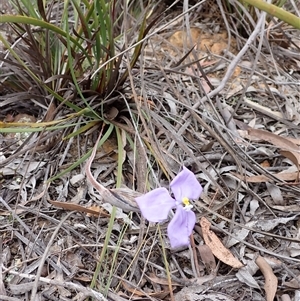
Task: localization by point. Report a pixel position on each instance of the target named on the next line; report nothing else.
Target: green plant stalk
(105, 246)
(110, 39)
(99, 25)
(83, 28)
(83, 129)
(87, 17)
(43, 24)
(103, 47)
(111, 221)
(275, 11)
(28, 5)
(115, 254)
(118, 184)
(36, 129)
(39, 23)
(70, 62)
(83, 31)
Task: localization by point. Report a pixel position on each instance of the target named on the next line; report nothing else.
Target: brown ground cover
(219, 95)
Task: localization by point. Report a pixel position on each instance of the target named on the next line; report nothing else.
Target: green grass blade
(276, 12)
(39, 23)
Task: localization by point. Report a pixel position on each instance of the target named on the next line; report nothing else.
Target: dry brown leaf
(265, 164)
(195, 293)
(288, 148)
(287, 176)
(275, 193)
(207, 257)
(294, 140)
(271, 280)
(138, 292)
(162, 281)
(294, 283)
(245, 275)
(112, 113)
(95, 208)
(217, 247)
(292, 156)
(74, 260)
(51, 111)
(109, 148)
(79, 208)
(84, 278)
(40, 195)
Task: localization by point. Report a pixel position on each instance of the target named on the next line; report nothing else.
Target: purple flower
(156, 204)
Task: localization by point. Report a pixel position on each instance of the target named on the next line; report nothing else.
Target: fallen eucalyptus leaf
(217, 247)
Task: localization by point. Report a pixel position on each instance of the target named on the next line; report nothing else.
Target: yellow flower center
(187, 205)
(186, 201)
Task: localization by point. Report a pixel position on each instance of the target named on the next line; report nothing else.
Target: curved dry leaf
(284, 176)
(112, 113)
(92, 211)
(244, 276)
(271, 280)
(289, 149)
(294, 157)
(217, 247)
(238, 235)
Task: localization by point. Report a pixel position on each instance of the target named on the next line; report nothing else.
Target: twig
(43, 259)
(230, 69)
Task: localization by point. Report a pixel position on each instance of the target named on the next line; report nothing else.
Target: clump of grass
(52, 58)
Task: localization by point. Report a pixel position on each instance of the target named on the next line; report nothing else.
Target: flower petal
(185, 184)
(156, 204)
(181, 227)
